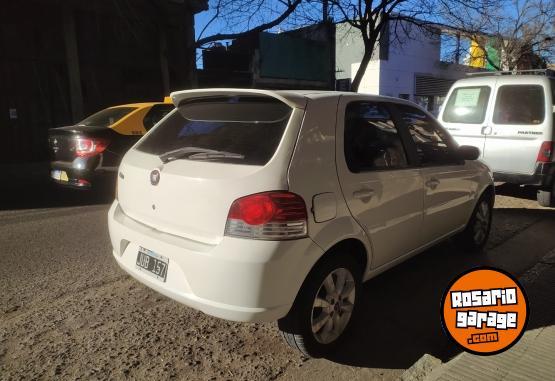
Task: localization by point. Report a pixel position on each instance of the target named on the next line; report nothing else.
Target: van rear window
(467, 105)
(247, 128)
(519, 104)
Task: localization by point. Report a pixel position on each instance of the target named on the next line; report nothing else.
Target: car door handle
(363, 193)
(432, 183)
(486, 130)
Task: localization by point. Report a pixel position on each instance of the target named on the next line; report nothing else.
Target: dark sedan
(90, 152)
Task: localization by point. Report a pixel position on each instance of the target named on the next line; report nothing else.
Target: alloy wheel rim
(333, 306)
(481, 224)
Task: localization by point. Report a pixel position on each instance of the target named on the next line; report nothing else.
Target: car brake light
(269, 216)
(546, 150)
(85, 147)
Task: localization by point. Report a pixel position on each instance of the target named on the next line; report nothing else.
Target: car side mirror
(468, 153)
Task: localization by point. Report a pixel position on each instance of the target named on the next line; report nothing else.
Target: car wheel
(476, 233)
(324, 308)
(545, 197)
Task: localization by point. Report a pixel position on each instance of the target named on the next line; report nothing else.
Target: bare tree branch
(260, 28)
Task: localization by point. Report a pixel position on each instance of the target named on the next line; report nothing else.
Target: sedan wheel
(482, 222)
(333, 306)
(476, 233)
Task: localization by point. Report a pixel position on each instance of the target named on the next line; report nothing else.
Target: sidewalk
(533, 357)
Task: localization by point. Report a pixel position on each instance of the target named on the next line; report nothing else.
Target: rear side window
(106, 117)
(433, 145)
(155, 114)
(467, 105)
(519, 104)
(371, 139)
(250, 127)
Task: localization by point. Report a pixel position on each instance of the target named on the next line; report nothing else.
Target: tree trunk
(368, 49)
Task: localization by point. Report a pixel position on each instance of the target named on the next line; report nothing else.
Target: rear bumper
(543, 176)
(237, 279)
(80, 175)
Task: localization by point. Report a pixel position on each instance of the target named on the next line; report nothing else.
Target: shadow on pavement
(30, 187)
(399, 318)
(512, 190)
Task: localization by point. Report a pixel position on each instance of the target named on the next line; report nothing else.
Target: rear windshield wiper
(215, 155)
(196, 152)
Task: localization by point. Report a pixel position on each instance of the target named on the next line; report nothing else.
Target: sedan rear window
(106, 117)
(467, 105)
(247, 129)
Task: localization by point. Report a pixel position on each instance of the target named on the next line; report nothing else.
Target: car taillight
(269, 216)
(546, 150)
(85, 147)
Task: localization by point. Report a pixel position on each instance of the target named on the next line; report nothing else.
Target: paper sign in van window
(467, 97)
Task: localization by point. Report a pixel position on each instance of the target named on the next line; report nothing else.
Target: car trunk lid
(189, 197)
(62, 140)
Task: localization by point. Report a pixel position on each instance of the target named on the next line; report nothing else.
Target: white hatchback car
(255, 205)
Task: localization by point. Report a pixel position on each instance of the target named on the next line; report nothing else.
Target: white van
(509, 117)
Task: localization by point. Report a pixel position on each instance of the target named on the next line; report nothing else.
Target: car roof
(512, 79)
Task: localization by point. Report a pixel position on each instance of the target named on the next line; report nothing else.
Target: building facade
(297, 59)
(408, 63)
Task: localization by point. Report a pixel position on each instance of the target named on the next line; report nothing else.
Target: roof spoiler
(291, 99)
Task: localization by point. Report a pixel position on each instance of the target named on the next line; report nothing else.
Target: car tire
(474, 237)
(324, 309)
(545, 197)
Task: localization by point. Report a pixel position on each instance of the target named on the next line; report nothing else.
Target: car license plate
(56, 174)
(152, 263)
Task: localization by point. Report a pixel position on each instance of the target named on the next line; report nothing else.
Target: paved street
(68, 312)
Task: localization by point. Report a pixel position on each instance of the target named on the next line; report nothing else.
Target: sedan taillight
(86, 147)
(269, 216)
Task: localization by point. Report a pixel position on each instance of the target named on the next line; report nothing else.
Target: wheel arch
(354, 248)
(489, 191)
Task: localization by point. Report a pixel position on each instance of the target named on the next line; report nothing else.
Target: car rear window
(155, 114)
(467, 105)
(249, 126)
(519, 104)
(106, 117)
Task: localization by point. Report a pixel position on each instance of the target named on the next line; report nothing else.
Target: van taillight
(85, 147)
(269, 215)
(546, 150)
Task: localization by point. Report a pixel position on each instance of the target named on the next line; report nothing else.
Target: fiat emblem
(155, 177)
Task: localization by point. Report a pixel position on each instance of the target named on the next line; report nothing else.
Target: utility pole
(325, 15)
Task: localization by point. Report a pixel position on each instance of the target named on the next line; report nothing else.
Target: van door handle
(432, 183)
(363, 193)
(486, 130)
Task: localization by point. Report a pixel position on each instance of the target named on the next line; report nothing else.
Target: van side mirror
(468, 153)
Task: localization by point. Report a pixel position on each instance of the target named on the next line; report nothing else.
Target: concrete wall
(371, 81)
(348, 49)
(409, 56)
(60, 61)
